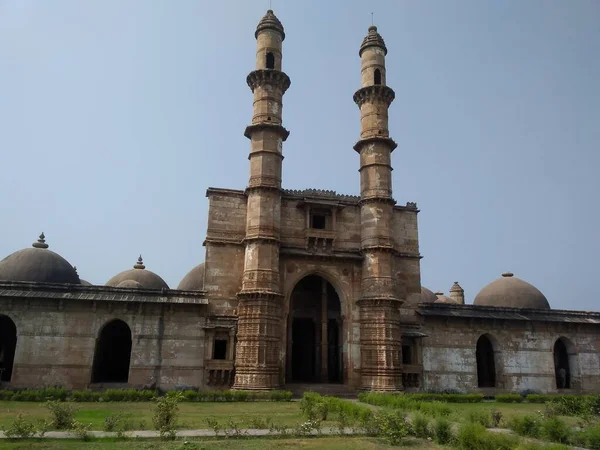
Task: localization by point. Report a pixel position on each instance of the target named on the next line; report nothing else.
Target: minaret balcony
(374, 93)
(264, 77)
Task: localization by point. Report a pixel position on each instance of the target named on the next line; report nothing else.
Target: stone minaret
(379, 305)
(257, 360)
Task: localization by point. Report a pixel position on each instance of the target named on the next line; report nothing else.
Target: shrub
(62, 414)
(214, 425)
(473, 436)
(85, 396)
(555, 429)
(483, 418)
(589, 438)
(391, 426)
(509, 398)
(420, 426)
(433, 409)
(20, 428)
(118, 422)
(527, 425)
(445, 397)
(82, 430)
(531, 446)
(165, 415)
(496, 417)
(442, 431)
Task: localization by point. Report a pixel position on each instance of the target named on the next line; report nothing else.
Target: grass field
(324, 443)
(192, 415)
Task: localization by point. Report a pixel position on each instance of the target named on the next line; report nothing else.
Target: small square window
(220, 349)
(318, 221)
(406, 354)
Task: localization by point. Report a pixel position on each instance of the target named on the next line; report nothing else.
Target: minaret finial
(41, 242)
(372, 19)
(139, 264)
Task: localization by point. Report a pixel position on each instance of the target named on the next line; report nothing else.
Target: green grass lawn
(192, 415)
(328, 443)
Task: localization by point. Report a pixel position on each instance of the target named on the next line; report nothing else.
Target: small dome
(138, 277)
(427, 296)
(441, 298)
(372, 39)
(194, 280)
(85, 283)
(511, 292)
(270, 22)
(38, 265)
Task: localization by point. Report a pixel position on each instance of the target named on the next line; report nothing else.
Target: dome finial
(140, 263)
(41, 242)
(270, 22)
(372, 39)
(507, 274)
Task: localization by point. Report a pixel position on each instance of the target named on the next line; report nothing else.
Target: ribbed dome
(427, 296)
(194, 280)
(511, 292)
(441, 298)
(38, 265)
(138, 277)
(372, 39)
(270, 21)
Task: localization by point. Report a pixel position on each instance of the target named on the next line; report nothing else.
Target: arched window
(270, 60)
(8, 344)
(377, 76)
(113, 354)
(562, 369)
(486, 363)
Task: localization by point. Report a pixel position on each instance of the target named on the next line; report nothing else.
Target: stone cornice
(377, 92)
(259, 295)
(383, 200)
(279, 129)
(225, 192)
(301, 252)
(305, 194)
(263, 77)
(386, 140)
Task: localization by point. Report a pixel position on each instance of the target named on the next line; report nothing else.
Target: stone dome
(372, 39)
(194, 280)
(138, 277)
(85, 283)
(511, 292)
(441, 298)
(38, 265)
(270, 21)
(427, 296)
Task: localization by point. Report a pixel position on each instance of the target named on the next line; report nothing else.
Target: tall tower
(257, 359)
(379, 305)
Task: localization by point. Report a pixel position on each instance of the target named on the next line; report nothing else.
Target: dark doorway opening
(270, 61)
(113, 354)
(377, 76)
(315, 333)
(561, 365)
(8, 344)
(220, 350)
(486, 364)
(303, 349)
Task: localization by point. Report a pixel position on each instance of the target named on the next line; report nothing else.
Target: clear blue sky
(116, 115)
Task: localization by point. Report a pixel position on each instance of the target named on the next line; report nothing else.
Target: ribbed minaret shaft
(257, 361)
(379, 306)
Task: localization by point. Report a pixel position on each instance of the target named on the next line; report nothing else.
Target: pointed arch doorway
(314, 335)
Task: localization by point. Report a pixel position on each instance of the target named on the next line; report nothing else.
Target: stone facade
(297, 286)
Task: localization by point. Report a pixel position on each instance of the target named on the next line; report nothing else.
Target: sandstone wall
(523, 354)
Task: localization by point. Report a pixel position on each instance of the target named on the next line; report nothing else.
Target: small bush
(527, 425)
(531, 446)
(496, 417)
(165, 415)
(509, 398)
(20, 428)
(442, 431)
(420, 426)
(555, 429)
(82, 430)
(483, 418)
(589, 438)
(392, 426)
(119, 422)
(62, 414)
(85, 396)
(473, 436)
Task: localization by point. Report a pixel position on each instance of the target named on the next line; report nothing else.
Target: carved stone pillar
(324, 345)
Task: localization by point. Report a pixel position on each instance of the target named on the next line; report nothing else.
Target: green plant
(306, 428)
(473, 436)
(496, 417)
(442, 431)
(19, 428)
(82, 430)
(483, 418)
(589, 438)
(233, 429)
(43, 426)
(62, 414)
(119, 422)
(165, 415)
(392, 426)
(526, 425)
(509, 398)
(343, 421)
(555, 429)
(214, 424)
(420, 426)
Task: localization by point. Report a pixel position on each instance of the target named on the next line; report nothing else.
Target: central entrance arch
(314, 342)
(113, 353)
